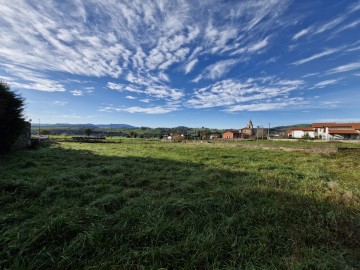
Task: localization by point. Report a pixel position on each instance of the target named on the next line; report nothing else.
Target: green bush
(12, 122)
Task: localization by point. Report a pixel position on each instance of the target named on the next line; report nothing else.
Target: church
(243, 133)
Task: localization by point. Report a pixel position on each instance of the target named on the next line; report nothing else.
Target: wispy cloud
(77, 93)
(232, 92)
(158, 91)
(326, 83)
(190, 65)
(135, 109)
(348, 26)
(301, 33)
(330, 25)
(60, 102)
(217, 70)
(344, 68)
(266, 106)
(315, 56)
(354, 7)
(310, 74)
(252, 48)
(149, 51)
(258, 46)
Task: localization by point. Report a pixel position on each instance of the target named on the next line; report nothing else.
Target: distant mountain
(286, 128)
(84, 125)
(115, 126)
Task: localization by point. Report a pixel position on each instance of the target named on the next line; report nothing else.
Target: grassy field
(151, 205)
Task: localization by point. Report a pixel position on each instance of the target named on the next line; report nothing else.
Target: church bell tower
(250, 124)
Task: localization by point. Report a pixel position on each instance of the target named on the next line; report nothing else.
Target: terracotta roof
(343, 131)
(319, 125)
(303, 128)
(330, 125)
(232, 131)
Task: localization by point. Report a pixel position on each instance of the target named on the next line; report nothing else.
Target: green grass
(150, 205)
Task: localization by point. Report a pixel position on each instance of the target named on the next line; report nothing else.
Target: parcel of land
(137, 204)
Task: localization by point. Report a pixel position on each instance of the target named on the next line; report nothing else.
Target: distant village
(327, 131)
(324, 131)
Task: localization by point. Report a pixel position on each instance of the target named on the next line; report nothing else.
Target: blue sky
(193, 63)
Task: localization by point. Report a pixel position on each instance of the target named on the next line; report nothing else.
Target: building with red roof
(328, 131)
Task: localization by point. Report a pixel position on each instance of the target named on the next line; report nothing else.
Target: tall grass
(151, 205)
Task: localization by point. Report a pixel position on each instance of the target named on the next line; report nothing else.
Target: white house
(299, 133)
(328, 131)
(337, 131)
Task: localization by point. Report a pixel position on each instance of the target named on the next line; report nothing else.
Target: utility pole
(269, 132)
(111, 131)
(39, 128)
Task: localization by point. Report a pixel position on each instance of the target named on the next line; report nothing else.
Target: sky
(191, 63)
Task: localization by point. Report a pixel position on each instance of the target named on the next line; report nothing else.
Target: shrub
(12, 122)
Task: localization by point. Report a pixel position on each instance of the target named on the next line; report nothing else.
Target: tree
(45, 132)
(12, 120)
(133, 134)
(88, 131)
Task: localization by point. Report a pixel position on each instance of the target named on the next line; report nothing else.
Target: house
(231, 134)
(214, 136)
(337, 131)
(246, 132)
(300, 132)
(328, 131)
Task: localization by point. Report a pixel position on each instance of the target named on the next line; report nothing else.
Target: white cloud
(138, 46)
(301, 33)
(138, 40)
(353, 49)
(252, 48)
(315, 56)
(135, 109)
(69, 116)
(260, 45)
(325, 83)
(60, 102)
(77, 92)
(30, 79)
(217, 70)
(310, 75)
(235, 92)
(348, 26)
(145, 100)
(164, 77)
(344, 68)
(355, 7)
(266, 106)
(190, 65)
(271, 60)
(330, 25)
(152, 90)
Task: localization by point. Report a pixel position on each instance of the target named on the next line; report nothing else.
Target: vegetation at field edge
(151, 205)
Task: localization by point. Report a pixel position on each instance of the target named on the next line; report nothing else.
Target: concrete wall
(300, 133)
